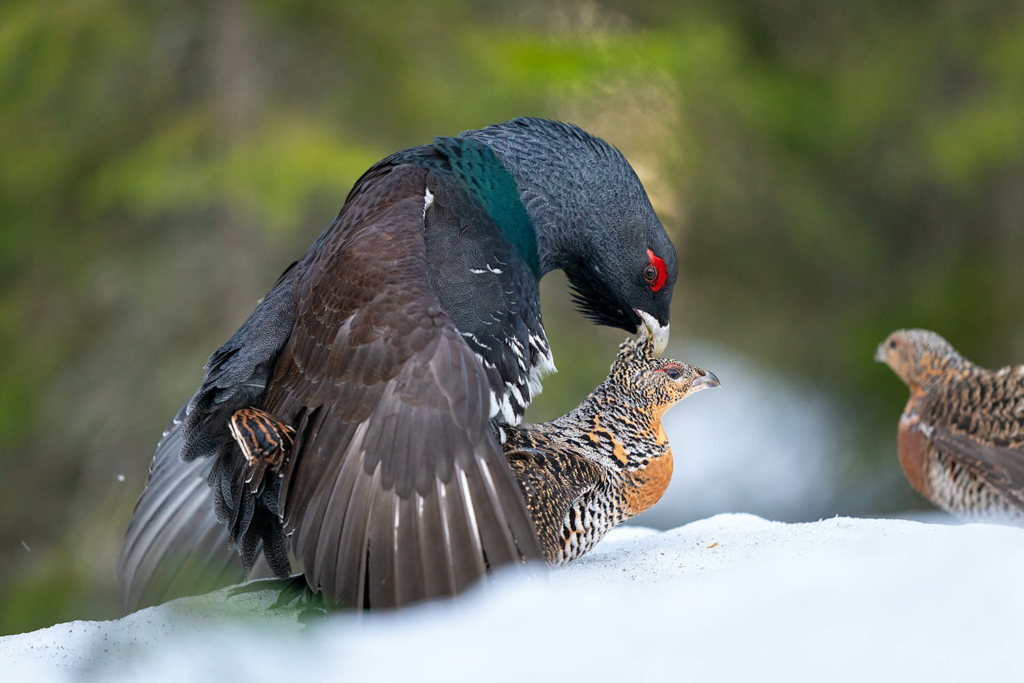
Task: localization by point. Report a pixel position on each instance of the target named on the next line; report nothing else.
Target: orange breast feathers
(648, 484)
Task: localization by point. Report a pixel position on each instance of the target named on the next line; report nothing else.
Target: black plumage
(411, 325)
(174, 545)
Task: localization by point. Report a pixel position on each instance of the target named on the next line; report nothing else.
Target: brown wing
(551, 482)
(985, 404)
(1000, 467)
(396, 489)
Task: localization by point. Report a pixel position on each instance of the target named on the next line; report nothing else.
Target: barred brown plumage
(607, 460)
(265, 442)
(584, 473)
(961, 436)
(261, 436)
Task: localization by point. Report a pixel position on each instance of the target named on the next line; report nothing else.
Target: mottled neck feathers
(482, 173)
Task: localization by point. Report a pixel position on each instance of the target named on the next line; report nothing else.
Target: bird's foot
(265, 442)
(262, 437)
(293, 595)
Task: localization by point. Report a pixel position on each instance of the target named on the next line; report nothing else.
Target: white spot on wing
(544, 366)
(470, 335)
(495, 406)
(428, 199)
(487, 364)
(501, 407)
(517, 349)
(514, 391)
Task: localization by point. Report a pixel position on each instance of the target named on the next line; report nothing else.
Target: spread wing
(1000, 467)
(396, 489)
(174, 546)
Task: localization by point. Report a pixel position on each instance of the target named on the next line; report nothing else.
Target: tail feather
(174, 545)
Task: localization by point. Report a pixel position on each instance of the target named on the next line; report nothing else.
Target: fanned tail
(174, 545)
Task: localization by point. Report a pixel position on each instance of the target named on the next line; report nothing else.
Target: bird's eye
(672, 372)
(893, 343)
(655, 272)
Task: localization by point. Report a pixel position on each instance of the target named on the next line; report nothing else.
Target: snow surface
(730, 598)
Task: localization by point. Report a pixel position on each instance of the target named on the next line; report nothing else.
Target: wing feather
(174, 545)
(400, 491)
(1000, 467)
(396, 488)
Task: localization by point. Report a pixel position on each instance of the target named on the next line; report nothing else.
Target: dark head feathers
(566, 177)
(591, 215)
(541, 130)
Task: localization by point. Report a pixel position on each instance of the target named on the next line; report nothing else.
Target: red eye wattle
(655, 266)
(672, 370)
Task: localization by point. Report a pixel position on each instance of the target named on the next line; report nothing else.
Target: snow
(730, 598)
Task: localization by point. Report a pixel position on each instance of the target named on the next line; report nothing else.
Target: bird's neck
(481, 172)
(549, 174)
(628, 440)
(937, 372)
(617, 430)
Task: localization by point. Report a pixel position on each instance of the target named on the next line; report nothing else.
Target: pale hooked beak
(659, 334)
(880, 353)
(708, 381)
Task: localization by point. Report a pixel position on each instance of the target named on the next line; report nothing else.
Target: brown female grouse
(582, 474)
(961, 436)
(607, 460)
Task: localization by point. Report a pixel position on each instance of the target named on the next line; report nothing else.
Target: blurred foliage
(829, 172)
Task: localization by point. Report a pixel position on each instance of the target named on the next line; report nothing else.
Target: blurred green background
(828, 172)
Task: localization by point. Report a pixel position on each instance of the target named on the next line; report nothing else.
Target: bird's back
(961, 443)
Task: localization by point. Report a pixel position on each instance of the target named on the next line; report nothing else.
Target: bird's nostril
(706, 381)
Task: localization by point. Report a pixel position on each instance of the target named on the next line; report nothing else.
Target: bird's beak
(880, 354)
(708, 381)
(650, 325)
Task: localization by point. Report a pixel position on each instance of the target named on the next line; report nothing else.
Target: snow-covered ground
(733, 597)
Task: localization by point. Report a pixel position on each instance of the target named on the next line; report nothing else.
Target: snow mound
(730, 598)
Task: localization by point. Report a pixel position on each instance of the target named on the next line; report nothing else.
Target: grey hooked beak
(658, 333)
(708, 381)
(880, 353)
